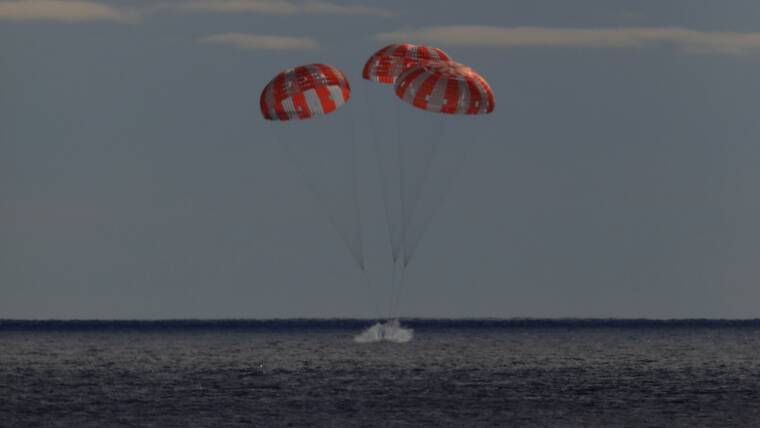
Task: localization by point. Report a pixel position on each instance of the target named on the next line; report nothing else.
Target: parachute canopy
(448, 87)
(304, 92)
(385, 65)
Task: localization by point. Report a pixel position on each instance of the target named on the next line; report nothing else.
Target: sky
(617, 176)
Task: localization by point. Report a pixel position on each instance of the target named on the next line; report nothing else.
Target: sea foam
(390, 331)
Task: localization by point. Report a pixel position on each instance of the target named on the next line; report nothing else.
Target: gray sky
(617, 176)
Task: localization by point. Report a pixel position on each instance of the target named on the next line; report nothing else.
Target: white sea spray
(390, 331)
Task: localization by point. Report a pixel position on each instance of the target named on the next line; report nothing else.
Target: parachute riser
(316, 195)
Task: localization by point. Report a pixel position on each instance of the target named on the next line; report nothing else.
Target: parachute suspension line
(402, 195)
(393, 287)
(406, 255)
(315, 194)
(373, 137)
(355, 164)
(293, 159)
(400, 154)
(437, 205)
(370, 287)
(434, 139)
(399, 287)
(355, 178)
(357, 205)
(384, 180)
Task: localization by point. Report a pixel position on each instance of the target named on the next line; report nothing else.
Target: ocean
(342, 373)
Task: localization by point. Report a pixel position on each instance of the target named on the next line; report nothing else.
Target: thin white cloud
(260, 42)
(278, 7)
(691, 41)
(61, 11)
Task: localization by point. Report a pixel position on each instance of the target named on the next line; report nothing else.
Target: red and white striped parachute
(416, 172)
(304, 92)
(450, 88)
(385, 65)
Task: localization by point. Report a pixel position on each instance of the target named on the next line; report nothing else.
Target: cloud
(62, 11)
(625, 37)
(260, 42)
(278, 7)
(84, 10)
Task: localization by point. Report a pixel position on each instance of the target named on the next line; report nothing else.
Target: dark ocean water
(312, 373)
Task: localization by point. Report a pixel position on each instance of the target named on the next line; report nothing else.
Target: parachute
(328, 169)
(450, 88)
(458, 92)
(385, 65)
(419, 160)
(418, 154)
(304, 92)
